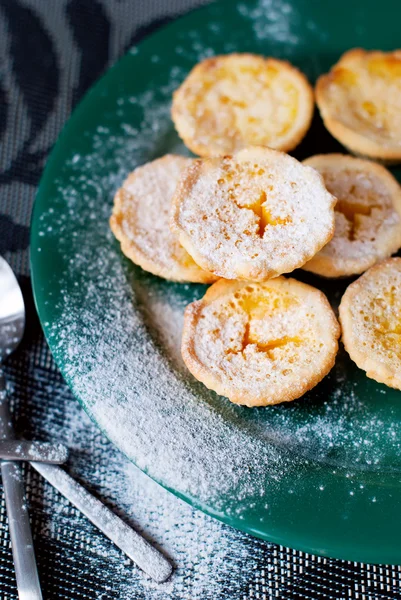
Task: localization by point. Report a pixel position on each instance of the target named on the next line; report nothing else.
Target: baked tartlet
(368, 215)
(360, 103)
(252, 216)
(140, 221)
(229, 102)
(370, 315)
(260, 344)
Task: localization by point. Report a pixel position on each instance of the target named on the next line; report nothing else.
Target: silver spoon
(12, 325)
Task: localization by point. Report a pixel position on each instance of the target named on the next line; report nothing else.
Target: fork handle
(148, 558)
(26, 572)
(20, 533)
(20, 450)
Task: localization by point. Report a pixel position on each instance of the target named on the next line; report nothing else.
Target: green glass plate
(322, 474)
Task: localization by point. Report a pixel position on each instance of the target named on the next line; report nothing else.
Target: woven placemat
(51, 52)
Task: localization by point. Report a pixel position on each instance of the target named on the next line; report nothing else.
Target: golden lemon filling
(385, 318)
(343, 76)
(358, 196)
(244, 95)
(259, 308)
(353, 211)
(387, 67)
(254, 195)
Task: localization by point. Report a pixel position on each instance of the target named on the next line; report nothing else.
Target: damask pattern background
(50, 53)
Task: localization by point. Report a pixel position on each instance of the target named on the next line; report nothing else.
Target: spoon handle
(26, 572)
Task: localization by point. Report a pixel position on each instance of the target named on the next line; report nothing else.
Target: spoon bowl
(12, 325)
(12, 311)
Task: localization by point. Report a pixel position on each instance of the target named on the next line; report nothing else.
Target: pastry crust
(370, 315)
(140, 221)
(368, 215)
(233, 101)
(260, 344)
(360, 103)
(253, 216)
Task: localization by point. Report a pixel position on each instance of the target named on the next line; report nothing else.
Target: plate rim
(79, 109)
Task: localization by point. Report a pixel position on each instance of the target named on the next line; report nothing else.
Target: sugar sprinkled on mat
(194, 542)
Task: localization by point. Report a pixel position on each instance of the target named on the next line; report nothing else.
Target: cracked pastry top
(260, 343)
(252, 216)
(368, 215)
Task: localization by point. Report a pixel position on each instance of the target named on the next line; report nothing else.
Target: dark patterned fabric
(51, 52)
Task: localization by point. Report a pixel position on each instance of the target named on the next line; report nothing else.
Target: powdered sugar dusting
(126, 393)
(370, 315)
(195, 543)
(263, 343)
(254, 216)
(140, 221)
(368, 224)
(116, 332)
(271, 20)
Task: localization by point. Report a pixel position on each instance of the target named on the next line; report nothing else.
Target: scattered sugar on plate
(117, 335)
